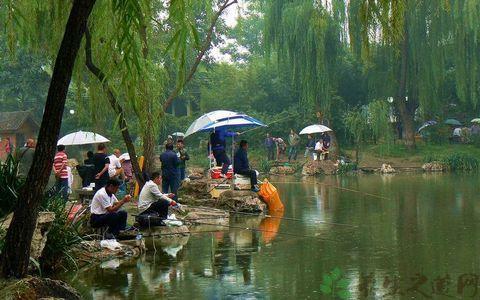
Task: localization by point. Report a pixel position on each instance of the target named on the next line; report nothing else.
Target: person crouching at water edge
(219, 145)
(105, 208)
(241, 165)
(152, 201)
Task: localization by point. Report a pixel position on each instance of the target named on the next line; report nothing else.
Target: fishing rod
(292, 219)
(277, 121)
(337, 187)
(269, 231)
(354, 191)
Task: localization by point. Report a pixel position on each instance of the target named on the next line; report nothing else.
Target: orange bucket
(269, 194)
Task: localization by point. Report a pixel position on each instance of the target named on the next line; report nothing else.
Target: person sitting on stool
(242, 167)
(151, 200)
(105, 208)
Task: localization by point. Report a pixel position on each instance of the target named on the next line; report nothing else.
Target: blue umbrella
(230, 122)
(236, 122)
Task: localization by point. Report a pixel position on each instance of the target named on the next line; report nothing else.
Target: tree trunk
(148, 138)
(407, 112)
(16, 254)
(127, 139)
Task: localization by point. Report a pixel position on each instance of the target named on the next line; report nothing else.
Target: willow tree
(165, 28)
(414, 38)
(16, 253)
(308, 35)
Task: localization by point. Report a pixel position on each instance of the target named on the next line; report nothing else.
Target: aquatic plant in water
(335, 285)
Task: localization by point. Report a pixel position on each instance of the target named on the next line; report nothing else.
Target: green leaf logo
(334, 285)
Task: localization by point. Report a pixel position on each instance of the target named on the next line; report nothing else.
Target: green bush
(62, 237)
(345, 168)
(461, 162)
(10, 185)
(455, 161)
(265, 165)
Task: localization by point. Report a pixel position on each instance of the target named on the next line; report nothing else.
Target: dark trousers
(160, 207)
(292, 153)
(250, 173)
(181, 174)
(115, 221)
(222, 159)
(270, 153)
(170, 185)
(62, 188)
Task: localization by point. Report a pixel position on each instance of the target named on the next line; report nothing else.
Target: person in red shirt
(60, 163)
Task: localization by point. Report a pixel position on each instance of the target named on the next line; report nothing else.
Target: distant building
(15, 128)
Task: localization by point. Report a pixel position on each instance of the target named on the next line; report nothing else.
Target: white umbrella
(209, 118)
(82, 138)
(315, 129)
(476, 120)
(178, 134)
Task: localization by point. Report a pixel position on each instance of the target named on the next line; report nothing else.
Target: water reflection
(408, 227)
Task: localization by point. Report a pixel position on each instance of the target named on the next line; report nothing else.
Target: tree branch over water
(115, 105)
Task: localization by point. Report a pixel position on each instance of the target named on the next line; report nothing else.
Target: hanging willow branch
(115, 105)
(200, 55)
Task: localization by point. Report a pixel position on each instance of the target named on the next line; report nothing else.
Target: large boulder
(327, 167)
(243, 201)
(387, 169)
(196, 173)
(32, 288)
(194, 189)
(39, 239)
(434, 166)
(283, 170)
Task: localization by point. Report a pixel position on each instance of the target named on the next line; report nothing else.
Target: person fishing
(242, 166)
(219, 145)
(151, 200)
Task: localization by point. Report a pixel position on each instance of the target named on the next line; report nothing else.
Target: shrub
(10, 185)
(265, 166)
(461, 162)
(347, 167)
(62, 237)
(455, 161)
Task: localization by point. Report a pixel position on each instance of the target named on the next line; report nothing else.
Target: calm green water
(416, 236)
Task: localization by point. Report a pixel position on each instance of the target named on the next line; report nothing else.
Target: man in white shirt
(105, 208)
(151, 200)
(115, 167)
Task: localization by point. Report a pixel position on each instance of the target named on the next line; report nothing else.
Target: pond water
(369, 236)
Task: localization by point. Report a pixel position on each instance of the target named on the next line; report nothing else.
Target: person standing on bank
(151, 200)
(105, 208)
(242, 166)
(293, 140)
(170, 175)
(183, 157)
(24, 158)
(102, 163)
(270, 147)
(60, 163)
(219, 146)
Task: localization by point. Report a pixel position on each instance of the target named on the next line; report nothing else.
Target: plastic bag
(269, 194)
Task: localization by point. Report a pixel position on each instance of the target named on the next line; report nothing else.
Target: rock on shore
(32, 288)
(327, 167)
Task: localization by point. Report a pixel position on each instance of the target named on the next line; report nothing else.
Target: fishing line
(269, 231)
(333, 186)
(293, 219)
(277, 121)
